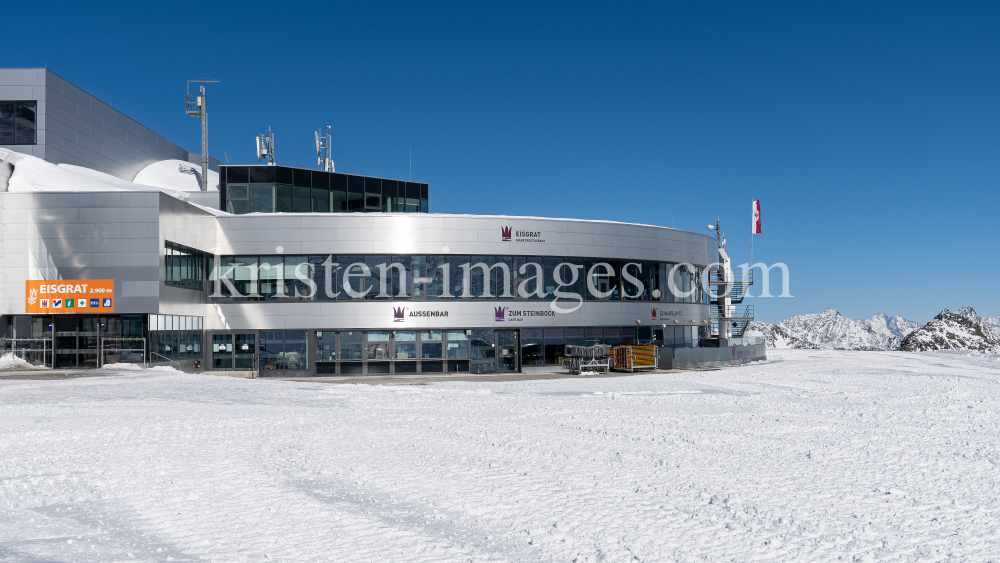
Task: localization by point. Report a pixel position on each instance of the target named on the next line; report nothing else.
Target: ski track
(811, 456)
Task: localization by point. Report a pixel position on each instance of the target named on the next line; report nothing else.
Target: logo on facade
(33, 297)
(107, 303)
(70, 303)
(505, 234)
(655, 315)
(498, 313)
(95, 302)
(398, 314)
(81, 303)
(57, 303)
(44, 304)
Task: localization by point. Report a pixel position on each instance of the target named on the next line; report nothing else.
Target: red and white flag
(755, 229)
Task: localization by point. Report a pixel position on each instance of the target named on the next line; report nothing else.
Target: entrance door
(507, 348)
(245, 348)
(222, 351)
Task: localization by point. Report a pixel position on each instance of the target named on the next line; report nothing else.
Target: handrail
(172, 362)
(746, 310)
(719, 277)
(120, 339)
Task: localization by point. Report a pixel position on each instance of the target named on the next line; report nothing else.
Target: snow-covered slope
(891, 326)
(952, 331)
(821, 456)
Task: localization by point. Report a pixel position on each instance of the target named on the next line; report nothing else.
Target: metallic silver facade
(76, 128)
(121, 236)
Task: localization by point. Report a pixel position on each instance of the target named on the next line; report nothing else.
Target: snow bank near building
(10, 362)
(32, 174)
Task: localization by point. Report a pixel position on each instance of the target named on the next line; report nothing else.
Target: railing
(30, 347)
(740, 318)
(174, 364)
(739, 312)
(121, 345)
(720, 277)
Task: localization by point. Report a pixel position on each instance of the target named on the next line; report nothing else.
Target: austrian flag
(755, 229)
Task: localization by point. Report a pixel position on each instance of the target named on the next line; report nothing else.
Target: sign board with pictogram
(69, 296)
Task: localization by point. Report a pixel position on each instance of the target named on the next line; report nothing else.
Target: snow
(891, 326)
(10, 362)
(32, 174)
(813, 455)
(176, 175)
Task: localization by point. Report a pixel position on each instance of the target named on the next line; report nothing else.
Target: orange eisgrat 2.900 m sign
(69, 296)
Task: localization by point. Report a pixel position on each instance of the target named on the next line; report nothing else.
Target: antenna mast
(323, 150)
(265, 146)
(197, 106)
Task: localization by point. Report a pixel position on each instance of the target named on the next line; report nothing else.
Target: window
(284, 349)
(18, 122)
(383, 277)
(326, 346)
(183, 266)
(280, 189)
(430, 344)
(236, 199)
(351, 344)
(406, 345)
(458, 345)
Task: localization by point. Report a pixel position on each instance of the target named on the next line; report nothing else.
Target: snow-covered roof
(32, 174)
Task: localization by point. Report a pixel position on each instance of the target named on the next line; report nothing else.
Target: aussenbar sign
(69, 296)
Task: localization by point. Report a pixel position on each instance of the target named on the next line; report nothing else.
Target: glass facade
(383, 277)
(392, 351)
(280, 189)
(183, 266)
(18, 122)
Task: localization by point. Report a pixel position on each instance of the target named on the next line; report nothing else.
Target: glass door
(483, 351)
(244, 347)
(507, 351)
(222, 351)
(65, 341)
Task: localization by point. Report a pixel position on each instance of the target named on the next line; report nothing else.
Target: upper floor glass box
(282, 189)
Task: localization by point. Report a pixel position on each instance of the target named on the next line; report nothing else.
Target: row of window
(18, 122)
(418, 277)
(280, 189)
(283, 198)
(183, 266)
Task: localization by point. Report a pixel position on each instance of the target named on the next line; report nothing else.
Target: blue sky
(871, 133)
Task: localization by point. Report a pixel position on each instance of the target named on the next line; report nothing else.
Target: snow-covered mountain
(777, 337)
(892, 326)
(990, 331)
(963, 330)
(831, 330)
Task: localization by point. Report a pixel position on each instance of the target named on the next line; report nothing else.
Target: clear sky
(871, 133)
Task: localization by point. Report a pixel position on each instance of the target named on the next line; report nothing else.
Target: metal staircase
(734, 286)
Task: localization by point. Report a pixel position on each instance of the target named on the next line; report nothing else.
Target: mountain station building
(111, 250)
